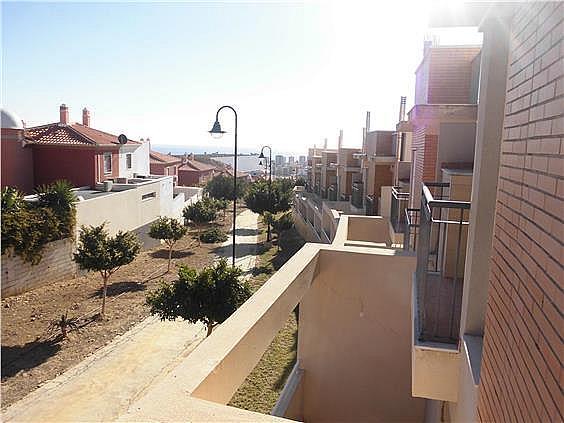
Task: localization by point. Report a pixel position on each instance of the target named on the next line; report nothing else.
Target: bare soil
(32, 353)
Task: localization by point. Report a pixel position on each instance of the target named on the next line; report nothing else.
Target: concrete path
(102, 387)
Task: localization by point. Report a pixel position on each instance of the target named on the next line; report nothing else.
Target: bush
(27, 227)
(221, 188)
(213, 235)
(209, 296)
(203, 211)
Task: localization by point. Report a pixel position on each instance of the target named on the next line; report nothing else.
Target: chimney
(402, 109)
(64, 114)
(367, 121)
(340, 142)
(85, 117)
(325, 144)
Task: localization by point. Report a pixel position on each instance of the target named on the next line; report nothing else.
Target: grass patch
(261, 389)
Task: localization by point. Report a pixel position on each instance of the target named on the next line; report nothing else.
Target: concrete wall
(354, 338)
(127, 210)
(56, 264)
(456, 143)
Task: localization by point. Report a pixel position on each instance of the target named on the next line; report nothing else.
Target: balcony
(357, 194)
(438, 233)
(400, 201)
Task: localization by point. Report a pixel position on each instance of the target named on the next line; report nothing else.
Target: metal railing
(357, 194)
(371, 205)
(332, 192)
(411, 229)
(397, 213)
(323, 193)
(316, 189)
(439, 233)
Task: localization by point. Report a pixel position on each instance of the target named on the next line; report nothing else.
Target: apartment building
(328, 174)
(443, 119)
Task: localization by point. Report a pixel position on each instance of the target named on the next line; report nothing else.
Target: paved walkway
(101, 387)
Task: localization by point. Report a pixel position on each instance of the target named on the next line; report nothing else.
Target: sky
(297, 72)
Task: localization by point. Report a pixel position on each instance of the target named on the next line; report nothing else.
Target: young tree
(281, 223)
(260, 199)
(220, 187)
(209, 296)
(199, 213)
(100, 252)
(169, 230)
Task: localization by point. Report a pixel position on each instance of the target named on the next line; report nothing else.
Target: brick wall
(425, 160)
(56, 264)
(521, 376)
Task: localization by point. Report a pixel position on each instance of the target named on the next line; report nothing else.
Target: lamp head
(216, 131)
(261, 155)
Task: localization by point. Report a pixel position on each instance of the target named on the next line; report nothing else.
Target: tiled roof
(157, 157)
(194, 165)
(73, 134)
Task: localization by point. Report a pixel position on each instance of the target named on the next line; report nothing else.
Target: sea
(245, 162)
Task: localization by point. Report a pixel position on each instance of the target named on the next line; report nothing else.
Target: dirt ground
(33, 354)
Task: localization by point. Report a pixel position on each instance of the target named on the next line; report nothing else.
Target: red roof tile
(73, 134)
(194, 165)
(157, 157)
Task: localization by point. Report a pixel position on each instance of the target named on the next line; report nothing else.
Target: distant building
(302, 160)
(291, 160)
(279, 160)
(164, 164)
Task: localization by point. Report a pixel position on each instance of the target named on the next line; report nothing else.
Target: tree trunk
(268, 232)
(210, 329)
(64, 330)
(199, 230)
(169, 258)
(104, 292)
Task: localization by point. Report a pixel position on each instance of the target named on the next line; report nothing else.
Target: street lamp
(269, 164)
(216, 132)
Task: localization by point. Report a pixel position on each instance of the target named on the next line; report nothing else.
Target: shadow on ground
(25, 357)
(163, 254)
(117, 288)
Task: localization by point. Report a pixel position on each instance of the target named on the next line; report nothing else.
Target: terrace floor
(441, 299)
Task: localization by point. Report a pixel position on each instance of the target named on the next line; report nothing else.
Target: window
(107, 163)
(148, 196)
(128, 160)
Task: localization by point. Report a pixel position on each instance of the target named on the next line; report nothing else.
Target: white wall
(139, 159)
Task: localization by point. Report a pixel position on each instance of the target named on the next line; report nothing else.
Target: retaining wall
(56, 264)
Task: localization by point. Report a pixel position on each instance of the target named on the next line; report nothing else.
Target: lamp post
(216, 132)
(262, 156)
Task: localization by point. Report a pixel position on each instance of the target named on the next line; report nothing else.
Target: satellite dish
(122, 139)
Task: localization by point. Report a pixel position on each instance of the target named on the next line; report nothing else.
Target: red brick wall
(521, 376)
(450, 75)
(77, 165)
(425, 160)
(188, 178)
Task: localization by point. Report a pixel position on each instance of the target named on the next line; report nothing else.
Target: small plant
(64, 324)
(209, 296)
(170, 231)
(199, 213)
(213, 235)
(100, 252)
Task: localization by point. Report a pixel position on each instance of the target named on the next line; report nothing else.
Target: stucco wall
(354, 340)
(56, 264)
(17, 162)
(139, 160)
(77, 165)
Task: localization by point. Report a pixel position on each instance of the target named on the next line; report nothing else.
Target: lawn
(261, 389)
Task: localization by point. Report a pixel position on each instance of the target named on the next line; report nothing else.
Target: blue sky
(296, 72)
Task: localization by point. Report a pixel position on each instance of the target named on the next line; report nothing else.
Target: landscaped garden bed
(32, 353)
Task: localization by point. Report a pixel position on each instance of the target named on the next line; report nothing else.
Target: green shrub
(213, 235)
(209, 296)
(27, 227)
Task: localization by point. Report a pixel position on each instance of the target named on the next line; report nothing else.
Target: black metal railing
(439, 236)
(332, 192)
(400, 201)
(371, 205)
(316, 189)
(357, 194)
(323, 193)
(411, 229)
